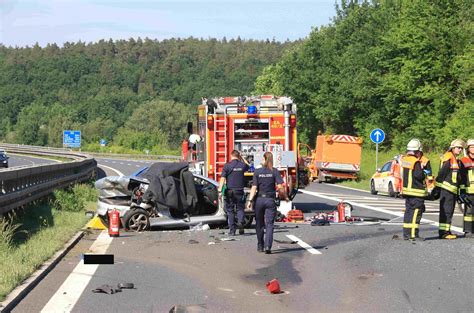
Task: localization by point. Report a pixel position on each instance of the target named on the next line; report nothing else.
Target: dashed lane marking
(303, 244)
(67, 295)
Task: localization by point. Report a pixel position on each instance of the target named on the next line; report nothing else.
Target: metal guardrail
(135, 156)
(22, 185)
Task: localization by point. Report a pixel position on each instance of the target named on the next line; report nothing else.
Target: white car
(125, 194)
(387, 179)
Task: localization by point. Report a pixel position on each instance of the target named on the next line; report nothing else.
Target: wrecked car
(163, 195)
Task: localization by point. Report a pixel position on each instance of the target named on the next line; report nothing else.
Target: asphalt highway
(23, 160)
(356, 267)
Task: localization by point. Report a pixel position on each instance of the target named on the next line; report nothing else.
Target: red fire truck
(251, 125)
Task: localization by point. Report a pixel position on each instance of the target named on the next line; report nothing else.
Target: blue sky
(25, 22)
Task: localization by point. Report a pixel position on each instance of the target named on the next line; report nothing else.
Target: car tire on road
(372, 187)
(136, 220)
(391, 192)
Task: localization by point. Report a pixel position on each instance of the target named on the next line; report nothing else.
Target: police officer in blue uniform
(233, 176)
(263, 193)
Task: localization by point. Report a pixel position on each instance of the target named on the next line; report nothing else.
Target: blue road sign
(377, 135)
(103, 142)
(72, 138)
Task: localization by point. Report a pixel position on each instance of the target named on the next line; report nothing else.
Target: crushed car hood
(116, 186)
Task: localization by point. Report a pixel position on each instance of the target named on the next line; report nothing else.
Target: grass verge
(31, 237)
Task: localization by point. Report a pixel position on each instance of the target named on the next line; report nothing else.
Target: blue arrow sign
(377, 135)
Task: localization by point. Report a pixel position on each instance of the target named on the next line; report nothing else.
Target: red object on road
(273, 286)
(341, 212)
(114, 223)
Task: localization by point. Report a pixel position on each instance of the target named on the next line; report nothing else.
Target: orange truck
(335, 157)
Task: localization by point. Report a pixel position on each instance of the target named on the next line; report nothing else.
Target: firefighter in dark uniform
(466, 191)
(448, 182)
(265, 181)
(233, 176)
(414, 190)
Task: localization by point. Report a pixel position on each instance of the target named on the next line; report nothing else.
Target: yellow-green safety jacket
(448, 177)
(413, 177)
(467, 175)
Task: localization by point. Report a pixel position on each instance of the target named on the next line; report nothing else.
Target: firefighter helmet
(414, 145)
(457, 143)
(470, 142)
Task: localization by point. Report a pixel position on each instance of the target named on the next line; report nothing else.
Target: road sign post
(72, 138)
(377, 136)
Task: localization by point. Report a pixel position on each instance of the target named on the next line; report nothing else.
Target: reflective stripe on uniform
(414, 192)
(409, 225)
(413, 222)
(447, 186)
(470, 182)
(469, 218)
(410, 181)
(444, 226)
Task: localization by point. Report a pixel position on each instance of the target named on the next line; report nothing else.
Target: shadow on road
(313, 207)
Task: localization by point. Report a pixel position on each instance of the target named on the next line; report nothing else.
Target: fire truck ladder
(220, 143)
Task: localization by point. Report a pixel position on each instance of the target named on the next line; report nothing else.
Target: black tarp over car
(171, 186)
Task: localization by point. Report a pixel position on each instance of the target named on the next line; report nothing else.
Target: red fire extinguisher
(114, 223)
(341, 212)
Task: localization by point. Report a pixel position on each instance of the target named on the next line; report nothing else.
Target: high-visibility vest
(450, 182)
(411, 185)
(395, 172)
(424, 164)
(469, 168)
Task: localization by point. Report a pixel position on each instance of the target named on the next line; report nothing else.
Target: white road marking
(112, 169)
(380, 203)
(67, 295)
(392, 208)
(437, 213)
(226, 289)
(316, 194)
(350, 188)
(303, 244)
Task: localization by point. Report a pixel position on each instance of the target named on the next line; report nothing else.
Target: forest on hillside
(406, 66)
(136, 93)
